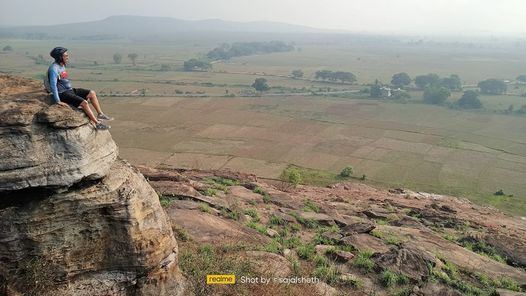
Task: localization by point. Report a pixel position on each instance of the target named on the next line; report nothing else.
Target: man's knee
(84, 104)
(92, 93)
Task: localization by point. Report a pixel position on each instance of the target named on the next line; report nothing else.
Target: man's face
(65, 57)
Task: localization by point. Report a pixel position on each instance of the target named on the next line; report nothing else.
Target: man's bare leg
(84, 105)
(92, 97)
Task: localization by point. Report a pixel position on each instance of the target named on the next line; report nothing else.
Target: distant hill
(138, 26)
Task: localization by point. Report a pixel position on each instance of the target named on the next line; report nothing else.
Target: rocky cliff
(74, 219)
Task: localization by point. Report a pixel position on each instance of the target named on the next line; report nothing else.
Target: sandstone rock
(357, 228)
(322, 249)
(410, 262)
(436, 289)
(99, 238)
(323, 219)
(342, 256)
(49, 146)
(323, 289)
(375, 214)
(272, 232)
(503, 292)
(284, 216)
(266, 262)
(510, 245)
(365, 242)
(331, 236)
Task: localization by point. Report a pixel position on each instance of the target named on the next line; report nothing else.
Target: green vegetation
(390, 279)
(196, 65)
(396, 145)
(401, 80)
(165, 201)
(297, 74)
(266, 197)
(204, 207)
(260, 85)
(363, 260)
(256, 226)
(238, 49)
(291, 175)
(436, 95)
(469, 100)
(492, 86)
(482, 248)
(117, 58)
(310, 206)
(275, 220)
(253, 213)
(346, 172)
(336, 76)
(198, 262)
(133, 57)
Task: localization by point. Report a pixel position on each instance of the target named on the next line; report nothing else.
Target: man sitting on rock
(58, 84)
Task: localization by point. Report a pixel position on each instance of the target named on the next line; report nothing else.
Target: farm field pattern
(416, 146)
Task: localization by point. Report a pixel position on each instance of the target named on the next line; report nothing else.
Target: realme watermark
(278, 280)
(220, 279)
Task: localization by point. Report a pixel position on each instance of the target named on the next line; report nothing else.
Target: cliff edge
(75, 219)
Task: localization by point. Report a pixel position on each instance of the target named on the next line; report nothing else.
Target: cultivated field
(189, 119)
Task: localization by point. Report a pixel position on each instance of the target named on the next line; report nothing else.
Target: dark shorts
(74, 97)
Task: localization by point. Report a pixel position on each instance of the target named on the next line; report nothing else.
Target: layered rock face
(75, 220)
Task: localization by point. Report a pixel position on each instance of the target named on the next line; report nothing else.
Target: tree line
(238, 49)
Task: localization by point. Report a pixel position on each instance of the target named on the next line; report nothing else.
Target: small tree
(7, 48)
(376, 90)
(452, 82)
(260, 84)
(133, 57)
(196, 65)
(291, 175)
(493, 86)
(346, 172)
(401, 80)
(469, 100)
(117, 58)
(297, 74)
(436, 95)
(423, 81)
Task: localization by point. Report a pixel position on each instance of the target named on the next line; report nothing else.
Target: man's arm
(53, 78)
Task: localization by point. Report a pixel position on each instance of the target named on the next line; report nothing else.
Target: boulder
(49, 146)
(99, 238)
(357, 228)
(365, 242)
(411, 262)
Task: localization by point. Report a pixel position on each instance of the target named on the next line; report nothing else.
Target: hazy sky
(434, 16)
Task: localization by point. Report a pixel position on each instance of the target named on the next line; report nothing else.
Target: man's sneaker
(102, 126)
(103, 116)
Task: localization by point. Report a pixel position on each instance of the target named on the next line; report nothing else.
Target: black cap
(57, 53)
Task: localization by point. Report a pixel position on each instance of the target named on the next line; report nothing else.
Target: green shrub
(291, 175)
(388, 278)
(166, 201)
(363, 260)
(306, 251)
(258, 227)
(275, 220)
(310, 206)
(253, 213)
(204, 207)
(346, 172)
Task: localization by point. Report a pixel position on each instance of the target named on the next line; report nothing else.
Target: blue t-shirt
(58, 80)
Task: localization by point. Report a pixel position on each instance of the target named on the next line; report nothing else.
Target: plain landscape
(171, 118)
